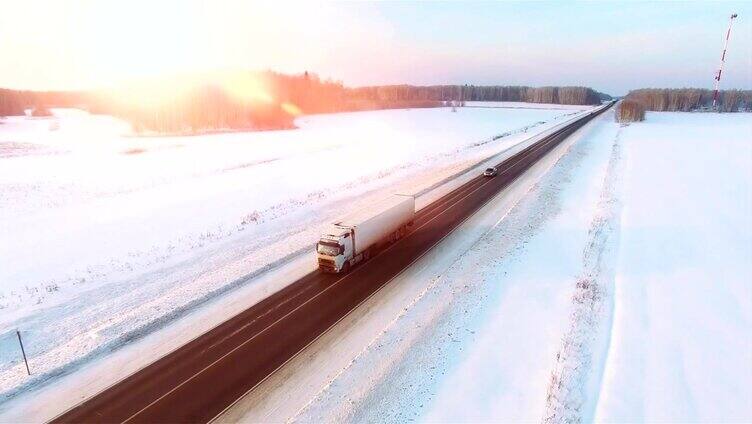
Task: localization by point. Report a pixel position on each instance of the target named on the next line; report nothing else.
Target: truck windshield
(329, 248)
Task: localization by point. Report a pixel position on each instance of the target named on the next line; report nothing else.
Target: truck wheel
(346, 267)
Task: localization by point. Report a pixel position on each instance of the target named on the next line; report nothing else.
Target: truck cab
(363, 233)
(335, 249)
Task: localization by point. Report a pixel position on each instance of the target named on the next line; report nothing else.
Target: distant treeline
(272, 101)
(496, 93)
(15, 102)
(212, 107)
(197, 108)
(689, 99)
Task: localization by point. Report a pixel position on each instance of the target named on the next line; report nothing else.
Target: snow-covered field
(106, 237)
(523, 105)
(681, 340)
(616, 290)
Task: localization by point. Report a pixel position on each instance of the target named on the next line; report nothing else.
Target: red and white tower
(723, 58)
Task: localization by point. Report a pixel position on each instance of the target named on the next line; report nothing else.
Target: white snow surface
(106, 236)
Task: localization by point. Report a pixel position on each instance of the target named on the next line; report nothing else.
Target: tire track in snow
(576, 378)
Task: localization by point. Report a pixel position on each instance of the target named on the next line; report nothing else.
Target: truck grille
(327, 265)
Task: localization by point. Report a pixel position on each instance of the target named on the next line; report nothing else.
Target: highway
(198, 381)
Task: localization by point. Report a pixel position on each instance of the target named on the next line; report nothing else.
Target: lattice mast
(723, 59)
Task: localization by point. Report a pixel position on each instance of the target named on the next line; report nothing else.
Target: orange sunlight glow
(93, 44)
(291, 109)
(149, 93)
(244, 88)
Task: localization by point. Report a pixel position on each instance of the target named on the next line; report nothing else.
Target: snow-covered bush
(630, 111)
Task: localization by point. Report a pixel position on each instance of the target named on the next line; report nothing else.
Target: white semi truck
(357, 236)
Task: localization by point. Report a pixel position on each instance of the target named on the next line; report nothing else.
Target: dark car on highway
(490, 172)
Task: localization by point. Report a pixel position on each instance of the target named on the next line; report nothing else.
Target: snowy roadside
(75, 328)
(422, 319)
(575, 379)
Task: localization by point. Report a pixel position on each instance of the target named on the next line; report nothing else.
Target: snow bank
(575, 379)
(681, 347)
(107, 237)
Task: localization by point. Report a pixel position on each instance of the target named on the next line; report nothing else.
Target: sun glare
(244, 87)
(148, 93)
(291, 109)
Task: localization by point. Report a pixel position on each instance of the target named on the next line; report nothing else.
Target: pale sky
(610, 46)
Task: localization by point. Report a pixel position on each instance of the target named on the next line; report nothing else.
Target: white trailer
(355, 237)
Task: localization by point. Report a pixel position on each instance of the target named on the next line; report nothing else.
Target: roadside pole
(23, 352)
